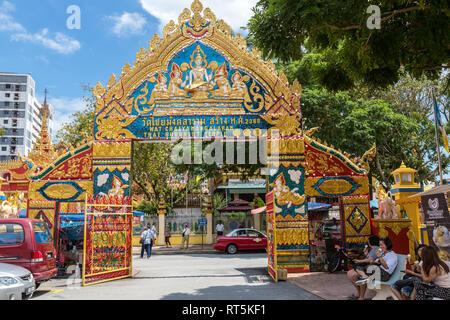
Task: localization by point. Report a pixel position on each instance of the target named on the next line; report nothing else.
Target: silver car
(15, 282)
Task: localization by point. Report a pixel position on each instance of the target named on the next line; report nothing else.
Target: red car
(241, 239)
(28, 243)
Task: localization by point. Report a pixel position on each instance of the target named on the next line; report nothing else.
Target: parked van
(28, 243)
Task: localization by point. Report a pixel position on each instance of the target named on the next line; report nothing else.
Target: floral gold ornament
(287, 125)
(113, 128)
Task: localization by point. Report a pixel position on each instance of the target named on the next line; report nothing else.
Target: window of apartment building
(14, 123)
(16, 105)
(4, 148)
(7, 95)
(7, 86)
(5, 121)
(17, 87)
(6, 103)
(16, 96)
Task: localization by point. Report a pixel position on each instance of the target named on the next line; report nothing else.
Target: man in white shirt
(219, 228)
(185, 238)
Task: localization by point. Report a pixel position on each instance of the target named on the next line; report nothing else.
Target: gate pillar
(112, 168)
(286, 180)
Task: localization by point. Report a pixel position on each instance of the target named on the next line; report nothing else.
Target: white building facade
(20, 117)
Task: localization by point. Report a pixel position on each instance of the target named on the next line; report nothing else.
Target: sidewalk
(176, 249)
(318, 283)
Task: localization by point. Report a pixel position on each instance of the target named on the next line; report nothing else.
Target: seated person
(370, 252)
(435, 282)
(403, 288)
(387, 261)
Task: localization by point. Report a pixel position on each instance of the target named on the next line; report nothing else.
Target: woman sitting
(435, 282)
(403, 288)
(387, 261)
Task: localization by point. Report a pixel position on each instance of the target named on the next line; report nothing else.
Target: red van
(28, 243)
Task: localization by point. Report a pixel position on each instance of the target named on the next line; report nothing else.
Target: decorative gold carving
(284, 195)
(153, 44)
(112, 81)
(286, 146)
(292, 236)
(169, 28)
(10, 208)
(310, 132)
(337, 187)
(126, 68)
(99, 90)
(224, 27)
(112, 150)
(368, 156)
(287, 125)
(184, 16)
(214, 34)
(114, 128)
(59, 191)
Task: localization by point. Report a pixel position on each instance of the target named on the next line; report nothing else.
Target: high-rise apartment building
(20, 115)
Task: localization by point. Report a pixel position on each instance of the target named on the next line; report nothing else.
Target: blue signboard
(202, 222)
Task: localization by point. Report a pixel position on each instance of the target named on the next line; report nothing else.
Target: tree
(413, 35)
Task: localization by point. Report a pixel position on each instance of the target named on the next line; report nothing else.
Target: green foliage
(398, 119)
(207, 170)
(257, 202)
(218, 202)
(412, 35)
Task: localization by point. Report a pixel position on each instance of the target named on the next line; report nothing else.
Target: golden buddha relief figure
(160, 91)
(176, 84)
(239, 88)
(199, 80)
(221, 80)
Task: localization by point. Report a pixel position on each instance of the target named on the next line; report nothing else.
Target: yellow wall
(176, 240)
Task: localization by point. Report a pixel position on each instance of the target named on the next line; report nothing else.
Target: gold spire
(43, 152)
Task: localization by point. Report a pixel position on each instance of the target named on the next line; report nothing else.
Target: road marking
(56, 291)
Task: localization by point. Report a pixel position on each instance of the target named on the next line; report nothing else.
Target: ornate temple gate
(199, 81)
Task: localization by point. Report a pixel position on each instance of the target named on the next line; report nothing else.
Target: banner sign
(149, 127)
(437, 219)
(108, 243)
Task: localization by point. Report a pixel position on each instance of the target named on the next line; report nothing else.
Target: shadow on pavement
(280, 291)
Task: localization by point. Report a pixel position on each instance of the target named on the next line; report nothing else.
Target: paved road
(186, 277)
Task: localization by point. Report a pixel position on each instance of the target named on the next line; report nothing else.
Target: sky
(35, 39)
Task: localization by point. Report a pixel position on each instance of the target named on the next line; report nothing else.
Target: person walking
(167, 236)
(154, 230)
(146, 242)
(219, 228)
(186, 233)
(152, 240)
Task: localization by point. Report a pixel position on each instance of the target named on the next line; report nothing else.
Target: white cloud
(128, 24)
(234, 12)
(60, 43)
(7, 22)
